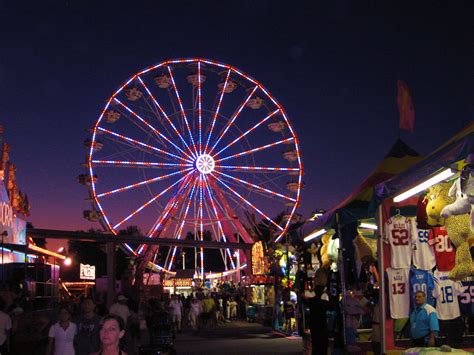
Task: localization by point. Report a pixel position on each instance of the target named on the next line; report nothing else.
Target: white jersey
(399, 292)
(399, 233)
(423, 253)
(446, 293)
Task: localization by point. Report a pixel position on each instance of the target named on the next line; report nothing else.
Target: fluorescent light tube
(445, 174)
(314, 235)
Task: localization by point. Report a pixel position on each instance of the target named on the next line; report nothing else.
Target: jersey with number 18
(446, 293)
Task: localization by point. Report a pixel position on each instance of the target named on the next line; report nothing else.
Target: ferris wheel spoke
(141, 164)
(149, 202)
(141, 144)
(219, 224)
(256, 169)
(144, 182)
(181, 226)
(151, 127)
(256, 149)
(199, 108)
(257, 187)
(247, 132)
(201, 226)
(219, 236)
(169, 206)
(214, 119)
(182, 109)
(234, 117)
(244, 200)
(178, 196)
(155, 101)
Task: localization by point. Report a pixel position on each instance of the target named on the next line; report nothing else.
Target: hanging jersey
(398, 233)
(466, 298)
(334, 283)
(422, 280)
(399, 292)
(446, 294)
(423, 252)
(443, 249)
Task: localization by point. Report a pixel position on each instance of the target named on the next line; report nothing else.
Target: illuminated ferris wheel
(193, 147)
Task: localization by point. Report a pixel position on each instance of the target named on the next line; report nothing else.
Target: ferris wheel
(193, 147)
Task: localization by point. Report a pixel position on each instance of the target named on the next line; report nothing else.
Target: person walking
(111, 332)
(318, 326)
(120, 308)
(5, 329)
(87, 339)
(209, 309)
(424, 324)
(61, 334)
(232, 309)
(194, 313)
(175, 308)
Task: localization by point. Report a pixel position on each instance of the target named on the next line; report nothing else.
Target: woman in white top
(61, 335)
(194, 312)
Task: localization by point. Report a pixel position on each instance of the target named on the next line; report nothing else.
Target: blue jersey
(421, 280)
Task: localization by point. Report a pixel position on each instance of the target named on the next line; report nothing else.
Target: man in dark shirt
(87, 338)
(318, 322)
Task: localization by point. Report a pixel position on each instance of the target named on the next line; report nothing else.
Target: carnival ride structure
(188, 146)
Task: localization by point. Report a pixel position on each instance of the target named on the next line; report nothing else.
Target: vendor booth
(426, 220)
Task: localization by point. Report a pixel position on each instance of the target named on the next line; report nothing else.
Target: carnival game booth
(427, 222)
(340, 253)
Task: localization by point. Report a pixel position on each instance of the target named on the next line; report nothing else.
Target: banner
(405, 107)
(12, 228)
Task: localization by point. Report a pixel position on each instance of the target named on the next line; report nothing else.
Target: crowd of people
(84, 325)
(203, 309)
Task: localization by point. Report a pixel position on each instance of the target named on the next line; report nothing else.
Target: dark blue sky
(333, 65)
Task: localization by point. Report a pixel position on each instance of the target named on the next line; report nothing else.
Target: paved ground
(236, 338)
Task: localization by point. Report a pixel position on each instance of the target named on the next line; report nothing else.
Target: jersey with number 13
(399, 292)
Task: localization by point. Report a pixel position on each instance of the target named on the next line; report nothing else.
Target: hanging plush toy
(364, 251)
(457, 227)
(324, 251)
(463, 191)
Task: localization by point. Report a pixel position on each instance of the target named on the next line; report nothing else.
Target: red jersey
(444, 251)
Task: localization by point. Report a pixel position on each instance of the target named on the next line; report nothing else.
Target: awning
(360, 203)
(455, 149)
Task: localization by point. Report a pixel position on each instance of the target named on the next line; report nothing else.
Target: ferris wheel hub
(205, 164)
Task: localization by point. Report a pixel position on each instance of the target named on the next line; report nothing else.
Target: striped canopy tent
(454, 151)
(360, 204)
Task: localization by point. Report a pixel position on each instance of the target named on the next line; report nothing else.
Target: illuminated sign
(178, 283)
(87, 272)
(258, 261)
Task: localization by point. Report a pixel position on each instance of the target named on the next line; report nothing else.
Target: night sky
(333, 65)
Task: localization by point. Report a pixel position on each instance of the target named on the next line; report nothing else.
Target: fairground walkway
(237, 337)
